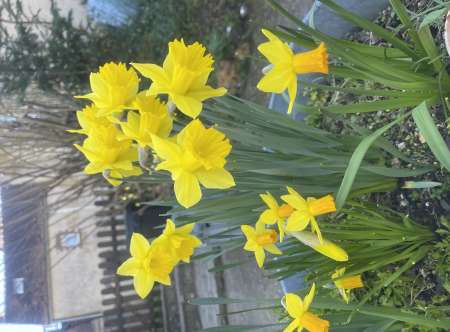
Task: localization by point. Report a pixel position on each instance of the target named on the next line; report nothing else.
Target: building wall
(74, 272)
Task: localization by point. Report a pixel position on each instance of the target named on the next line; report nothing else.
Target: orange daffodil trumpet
(345, 284)
(183, 77)
(285, 65)
(259, 240)
(298, 310)
(198, 156)
(292, 218)
(154, 262)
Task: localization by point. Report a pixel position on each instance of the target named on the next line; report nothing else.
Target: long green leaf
(373, 106)
(224, 300)
(236, 328)
(402, 13)
(356, 159)
(428, 129)
(370, 26)
(379, 311)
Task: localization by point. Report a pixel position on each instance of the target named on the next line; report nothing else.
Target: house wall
(74, 272)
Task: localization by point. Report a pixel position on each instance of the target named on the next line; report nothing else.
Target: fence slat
(124, 310)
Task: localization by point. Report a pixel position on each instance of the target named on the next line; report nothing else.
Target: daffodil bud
(327, 248)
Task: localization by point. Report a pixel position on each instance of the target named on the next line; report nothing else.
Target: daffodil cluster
(154, 261)
(123, 126)
(291, 218)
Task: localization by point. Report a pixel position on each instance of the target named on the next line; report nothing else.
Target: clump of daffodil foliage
(289, 194)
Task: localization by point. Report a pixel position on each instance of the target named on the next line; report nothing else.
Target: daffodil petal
(130, 267)
(292, 326)
(165, 149)
(190, 106)
(273, 249)
(260, 257)
(143, 284)
(139, 246)
(248, 231)
(276, 80)
(294, 305)
(268, 217)
(309, 297)
(297, 221)
(292, 92)
(152, 71)
(187, 190)
(270, 201)
(216, 178)
(206, 92)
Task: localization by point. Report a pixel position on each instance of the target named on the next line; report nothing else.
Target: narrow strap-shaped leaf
(428, 129)
(370, 26)
(356, 160)
(372, 106)
(432, 51)
(365, 92)
(404, 17)
(238, 328)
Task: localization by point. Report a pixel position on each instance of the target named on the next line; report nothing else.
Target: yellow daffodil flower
(302, 318)
(183, 77)
(197, 157)
(149, 263)
(326, 248)
(306, 211)
(345, 284)
(152, 118)
(109, 155)
(179, 241)
(275, 213)
(88, 119)
(114, 87)
(259, 240)
(286, 65)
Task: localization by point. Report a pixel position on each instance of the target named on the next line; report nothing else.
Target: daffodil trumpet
(346, 283)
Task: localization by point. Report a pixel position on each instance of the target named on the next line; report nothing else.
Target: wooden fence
(124, 310)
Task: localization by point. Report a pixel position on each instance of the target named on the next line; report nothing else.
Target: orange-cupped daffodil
(285, 65)
(345, 284)
(259, 240)
(275, 213)
(306, 211)
(298, 310)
